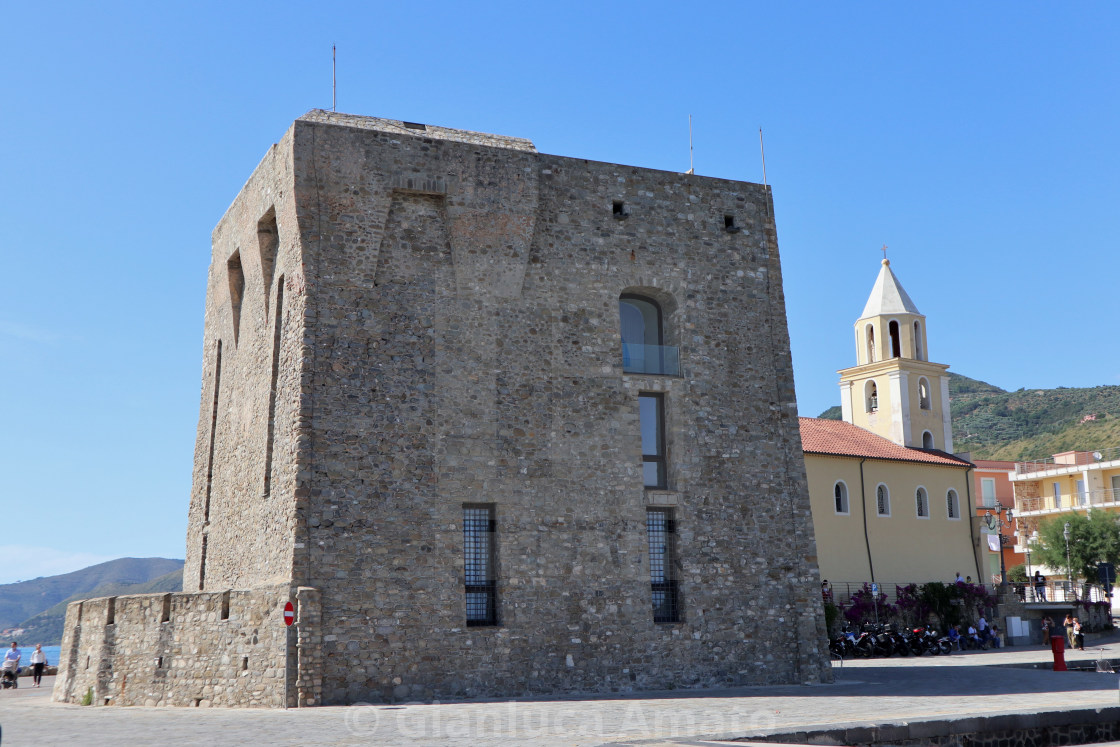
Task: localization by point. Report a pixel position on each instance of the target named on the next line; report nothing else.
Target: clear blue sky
(977, 140)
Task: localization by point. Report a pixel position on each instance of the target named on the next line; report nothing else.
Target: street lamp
(1069, 571)
(1030, 580)
(997, 522)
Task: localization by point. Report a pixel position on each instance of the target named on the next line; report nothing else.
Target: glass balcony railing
(660, 360)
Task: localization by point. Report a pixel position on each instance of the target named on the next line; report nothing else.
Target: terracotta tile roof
(838, 438)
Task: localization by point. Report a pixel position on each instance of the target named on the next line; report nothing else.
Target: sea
(52, 653)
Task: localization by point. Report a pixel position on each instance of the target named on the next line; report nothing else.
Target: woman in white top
(38, 663)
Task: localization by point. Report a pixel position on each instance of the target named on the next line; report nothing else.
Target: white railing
(1079, 458)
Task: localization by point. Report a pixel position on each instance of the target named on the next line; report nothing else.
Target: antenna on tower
(334, 79)
(762, 148)
(691, 168)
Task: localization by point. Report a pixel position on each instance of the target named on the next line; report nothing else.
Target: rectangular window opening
(662, 531)
(619, 210)
(225, 605)
(729, 224)
(651, 417)
(480, 564)
(111, 611)
(244, 663)
(268, 240)
(165, 613)
(159, 662)
(415, 126)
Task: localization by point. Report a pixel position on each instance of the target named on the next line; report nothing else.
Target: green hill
(46, 627)
(1029, 423)
(24, 599)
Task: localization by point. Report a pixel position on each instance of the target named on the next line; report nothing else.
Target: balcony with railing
(658, 360)
(1105, 498)
(1070, 460)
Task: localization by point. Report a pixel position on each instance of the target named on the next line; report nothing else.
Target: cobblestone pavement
(876, 690)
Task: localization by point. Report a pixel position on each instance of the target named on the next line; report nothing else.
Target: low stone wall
(228, 648)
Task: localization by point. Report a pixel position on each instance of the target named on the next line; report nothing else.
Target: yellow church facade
(890, 501)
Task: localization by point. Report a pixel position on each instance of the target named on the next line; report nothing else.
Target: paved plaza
(957, 686)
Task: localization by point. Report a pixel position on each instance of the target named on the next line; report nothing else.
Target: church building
(891, 503)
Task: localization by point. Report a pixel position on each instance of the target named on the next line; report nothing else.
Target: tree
(1094, 538)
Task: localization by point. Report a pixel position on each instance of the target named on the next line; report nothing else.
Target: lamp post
(996, 521)
(1069, 571)
(1031, 539)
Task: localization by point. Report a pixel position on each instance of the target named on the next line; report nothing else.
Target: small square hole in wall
(244, 663)
(619, 210)
(415, 126)
(159, 662)
(729, 224)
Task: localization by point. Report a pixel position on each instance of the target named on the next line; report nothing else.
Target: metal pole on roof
(334, 79)
(762, 148)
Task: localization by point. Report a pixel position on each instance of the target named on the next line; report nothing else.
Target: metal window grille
(951, 507)
(662, 565)
(841, 499)
(920, 497)
(883, 501)
(479, 577)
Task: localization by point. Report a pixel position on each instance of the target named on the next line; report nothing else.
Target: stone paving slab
(866, 692)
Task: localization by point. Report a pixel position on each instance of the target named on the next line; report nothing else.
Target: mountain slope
(46, 627)
(22, 600)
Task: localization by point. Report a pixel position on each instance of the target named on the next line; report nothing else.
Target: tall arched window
(921, 503)
(923, 394)
(840, 493)
(927, 440)
(871, 355)
(896, 343)
(918, 342)
(883, 500)
(871, 394)
(643, 337)
(952, 505)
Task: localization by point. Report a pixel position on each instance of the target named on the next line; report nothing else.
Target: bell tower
(893, 390)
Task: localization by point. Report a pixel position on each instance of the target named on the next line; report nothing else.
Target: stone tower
(893, 390)
(495, 422)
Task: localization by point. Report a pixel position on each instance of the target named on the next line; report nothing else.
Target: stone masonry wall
(243, 494)
(463, 347)
(200, 649)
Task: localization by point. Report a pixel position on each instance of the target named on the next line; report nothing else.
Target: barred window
(922, 502)
(662, 532)
(883, 500)
(480, 578)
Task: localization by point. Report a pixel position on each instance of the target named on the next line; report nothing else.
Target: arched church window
(927, 440)
(921, 503)
(871, 392)
(952, 506)
(923, 393)
(840, 493)
(883, 500)
(896, 343)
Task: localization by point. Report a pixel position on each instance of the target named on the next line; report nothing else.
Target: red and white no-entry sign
(289, 614)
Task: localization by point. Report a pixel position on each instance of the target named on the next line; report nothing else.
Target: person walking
(1068, 625)
(1078, 638)
(38, 664)
(11, 662)
(1047, 626)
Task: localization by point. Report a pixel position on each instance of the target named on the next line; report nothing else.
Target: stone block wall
(201, 649)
